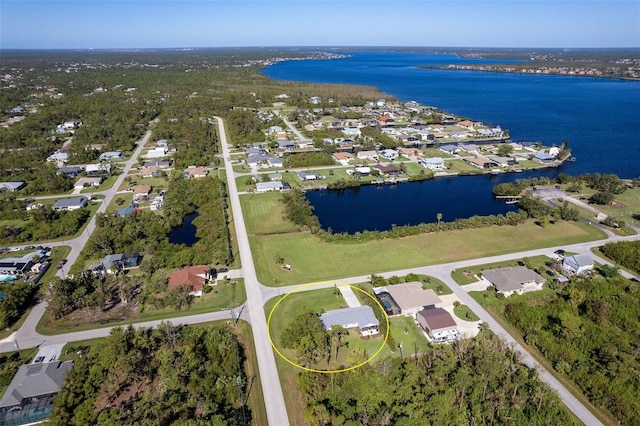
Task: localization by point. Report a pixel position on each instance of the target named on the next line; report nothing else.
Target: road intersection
(258, 294)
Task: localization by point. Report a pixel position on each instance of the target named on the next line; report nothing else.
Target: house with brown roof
(194, 172)
(480, 162)
(342, 157)
(410, 153)
(147, 172)
(141, 192)
(195, 277)
(387, 170)
(438, 323)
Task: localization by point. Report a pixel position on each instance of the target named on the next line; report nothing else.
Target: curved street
(258, 294)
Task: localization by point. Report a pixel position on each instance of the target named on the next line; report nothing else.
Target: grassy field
(314, 260)
(224, 296)
(631, 201)
(465, 313)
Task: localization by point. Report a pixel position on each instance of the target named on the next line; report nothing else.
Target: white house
(578, 264)
(435, 164)
(361, 318)
(269, 186)
(368, 155)
(389, 154)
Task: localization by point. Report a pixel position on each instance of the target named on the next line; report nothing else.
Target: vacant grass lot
(314, 260)
(466, 276)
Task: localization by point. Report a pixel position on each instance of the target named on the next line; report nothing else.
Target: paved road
(271, 388)
(257, 295)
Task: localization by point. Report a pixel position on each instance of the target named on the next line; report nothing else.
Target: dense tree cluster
(307, 337)
(187, 376)
(589, 330)
(44, 224)
(298, 209)
(626, 253)
(17, 296)
(478, 381)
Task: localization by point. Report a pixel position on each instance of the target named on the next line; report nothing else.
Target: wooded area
(472, 381)
(172, 375)
(589, 330)
(627, 253)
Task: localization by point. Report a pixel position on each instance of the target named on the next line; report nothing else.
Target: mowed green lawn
(314, 260)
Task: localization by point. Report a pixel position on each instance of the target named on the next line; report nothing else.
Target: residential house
(70, 171)
(543, 158)
(161, 164)
(85, 182)
(286, 145)
(361, 318)
(343, 157)
(29, 397)
(307, 176)
(450, 149)
(458, 135)
(122, 261)
(504, 161)
(387, 170)
(274, 162)
(359, 171)
(465, 124)
(351, 131)
(269, 186)
(480, 162)
(15, 266)
(471, 148)
(98, 169)
(513, 280)
(70, 203)
(110, 155)
(194, 172)
(389, 154)
(194, 277)
(407, 298)
(58, 157)
(254, 160)
(368, 155)
(141, 192)
(435, 163)
(148, 172)
(578, 264)
(157, 203)
(438, 323)
(157, 152)
(410, 153)
(275, 176)
(12, 186)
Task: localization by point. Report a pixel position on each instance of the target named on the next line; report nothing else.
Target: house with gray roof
(70, 203)
(269, 186)
(117, 262)
(512, 280)
(29, 397)
(578, 264)
(361, 318)
(12, 186)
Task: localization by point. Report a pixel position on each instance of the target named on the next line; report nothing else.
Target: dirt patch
(616, 205)
(87, 316)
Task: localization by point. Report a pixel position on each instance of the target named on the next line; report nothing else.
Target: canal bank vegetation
(161, 376)
(587, 332)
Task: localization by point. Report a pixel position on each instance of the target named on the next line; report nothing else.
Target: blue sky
(151, 23)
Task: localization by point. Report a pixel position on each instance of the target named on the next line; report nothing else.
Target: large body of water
(599, 117)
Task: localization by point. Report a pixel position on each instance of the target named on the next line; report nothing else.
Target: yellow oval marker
(313, 370)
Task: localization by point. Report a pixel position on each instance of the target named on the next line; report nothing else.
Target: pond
(373, 207)
(185, 233)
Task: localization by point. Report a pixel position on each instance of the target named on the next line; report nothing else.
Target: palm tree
(439, 217)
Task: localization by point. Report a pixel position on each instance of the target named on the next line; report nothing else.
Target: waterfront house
(387, 170)
(543, 158)
(480, 162)
(435, 164)
(450, 149)
(504, 161)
